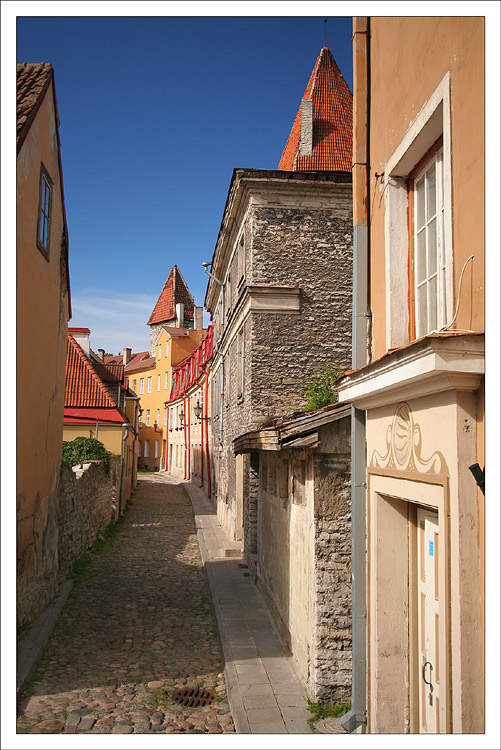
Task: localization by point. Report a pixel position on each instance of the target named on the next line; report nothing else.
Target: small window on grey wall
(44, 212)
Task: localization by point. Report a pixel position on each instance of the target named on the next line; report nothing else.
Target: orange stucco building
(417, 383)
(43, 309)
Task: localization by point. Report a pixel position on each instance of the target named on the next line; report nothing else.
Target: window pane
(432, 247)
(422, 322)
(431, 192)
(420, 217)
(421, 256)
(433, 303)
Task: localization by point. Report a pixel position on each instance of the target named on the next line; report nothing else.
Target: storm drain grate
(193, 697)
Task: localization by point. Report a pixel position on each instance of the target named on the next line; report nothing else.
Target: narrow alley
(138, 626)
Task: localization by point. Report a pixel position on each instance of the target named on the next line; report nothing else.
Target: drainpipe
(134, 463)
(357, 716)
(127, 427)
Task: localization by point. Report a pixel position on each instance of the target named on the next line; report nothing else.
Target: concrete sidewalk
(264, 693)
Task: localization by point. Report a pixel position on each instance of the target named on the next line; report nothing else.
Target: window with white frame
(417, 193)
(156, 448)
(159, 380)
(141, 386)
(160, 351)
(165, 416)
(166, 381)
(140, 419)
(146, 448)
(44, 212)
(134, 386)
(158, 417)
(139, 449)
(147, 417)
(166, 348)
(428, 240)
(149, 385)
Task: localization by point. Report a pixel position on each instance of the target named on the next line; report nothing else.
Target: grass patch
(326, 710)
(146, 471)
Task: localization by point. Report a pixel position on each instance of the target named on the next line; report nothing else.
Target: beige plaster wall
(285, 554)
(409, 57)
(42, 314)
(444, 428)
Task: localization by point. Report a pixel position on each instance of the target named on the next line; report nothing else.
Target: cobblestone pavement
(138, 625)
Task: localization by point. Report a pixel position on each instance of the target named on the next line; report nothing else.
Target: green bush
(320, 390)
(85, 449)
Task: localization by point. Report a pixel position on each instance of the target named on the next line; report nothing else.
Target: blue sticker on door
(430, 548)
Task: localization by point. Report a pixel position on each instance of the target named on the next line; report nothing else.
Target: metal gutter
(357, 717)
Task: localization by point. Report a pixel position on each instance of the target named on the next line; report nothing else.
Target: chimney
(179, 315)
(81, 336)
(100, 353)
(198, 318)
(306, 142)
(127, 355)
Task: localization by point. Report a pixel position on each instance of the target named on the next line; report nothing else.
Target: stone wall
(332, 524)
(304, 557)
(88, 503)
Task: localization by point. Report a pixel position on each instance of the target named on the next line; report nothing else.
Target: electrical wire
(447, 327)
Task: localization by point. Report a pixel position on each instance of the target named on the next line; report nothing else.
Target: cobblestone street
(138, 626)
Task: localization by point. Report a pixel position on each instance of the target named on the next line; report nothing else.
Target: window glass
(158, 382)
(149, 384)
(147, 417)
(141, 386)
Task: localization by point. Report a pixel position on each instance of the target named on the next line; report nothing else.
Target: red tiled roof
(175, 290)
(32, 82)
(79, 330)
(140, 363)
(84, 388)
(332, 122)
(175, 333)
(79, 415)
(109, 371)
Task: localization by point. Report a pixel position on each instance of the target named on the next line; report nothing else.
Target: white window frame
(160, 351)
(140, 421)
(146, 448)
(166, 348)
(158, 417)
(148, 387)
(434, 271)
(156, 449)
(134, 386)
(165, 416)
(141, 386)
(166, 380)
(159, 382)
(147, 417)
(432, 121)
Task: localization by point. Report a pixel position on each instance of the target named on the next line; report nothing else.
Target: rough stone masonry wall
(311, 249)
(332, 522)
(88, 503)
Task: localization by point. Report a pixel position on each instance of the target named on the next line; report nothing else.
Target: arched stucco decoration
(403, 443)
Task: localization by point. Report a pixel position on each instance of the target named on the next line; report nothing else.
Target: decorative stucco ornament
(403, 447)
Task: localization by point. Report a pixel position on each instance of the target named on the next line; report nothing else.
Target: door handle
(427, 682)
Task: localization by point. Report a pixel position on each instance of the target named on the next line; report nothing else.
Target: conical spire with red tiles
(174, 290)
(332, 122)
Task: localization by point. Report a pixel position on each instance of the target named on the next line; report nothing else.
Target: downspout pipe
(357, 717)
(136, 412)
(127, 427)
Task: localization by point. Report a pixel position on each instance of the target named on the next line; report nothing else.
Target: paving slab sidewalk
(264, 692)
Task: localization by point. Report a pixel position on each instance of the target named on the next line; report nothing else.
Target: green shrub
(85, 449)
(320, 390)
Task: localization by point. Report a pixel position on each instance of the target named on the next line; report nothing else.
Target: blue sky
(155, 113)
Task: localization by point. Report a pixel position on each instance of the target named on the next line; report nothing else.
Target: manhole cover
(193, 697)
(330, 725)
